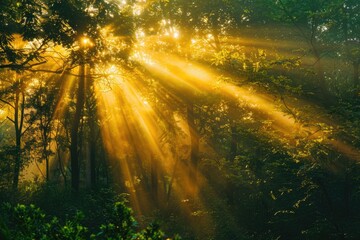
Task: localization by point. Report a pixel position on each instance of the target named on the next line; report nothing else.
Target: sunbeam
(190, 78)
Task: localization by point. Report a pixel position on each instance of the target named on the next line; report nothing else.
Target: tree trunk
(233, 143)
(74, 154)
(169, 189)
(45, 154)
(356, 79)
(319, 68)
(229, 185)
(194, 144)
(18, 128)
(17, 161)
(91, 105)
(215, 33)
(154, 180)
(92, 158)
(347, 195)
(61, 167)
(47, 168)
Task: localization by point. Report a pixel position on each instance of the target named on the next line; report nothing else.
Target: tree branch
(7, 103)
(11, 120)
(21, 66)
(27, 128)
(22, 112)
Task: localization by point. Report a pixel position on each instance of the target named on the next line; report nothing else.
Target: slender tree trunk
(356, 78)
(45, 154)
(319, 68)
(74, 153)
(230, 186)
(92, 157)
(154, 180)
(47, 168)
(92, 130)
(61, 167)
(18, 128)
(216, 39)
(347, 195)
(194, 143)
(233, 143)
(17, 162)
(169, 189)
(59, 153)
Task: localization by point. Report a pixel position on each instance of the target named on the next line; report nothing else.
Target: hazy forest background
(181, 119)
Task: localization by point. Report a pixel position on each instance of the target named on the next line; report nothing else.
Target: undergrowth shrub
(28, 222)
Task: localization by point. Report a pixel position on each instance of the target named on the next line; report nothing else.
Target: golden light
(132, 126)
(140, 34)
(176, 34)
(92, 10)
(3, 114)
(18, 42)
(185, 76)
(139, 7)
(85, 42)
(33, 85)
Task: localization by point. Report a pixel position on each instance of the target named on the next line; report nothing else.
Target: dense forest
(179, 119)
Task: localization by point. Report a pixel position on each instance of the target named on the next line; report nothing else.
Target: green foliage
(30, 222)
(72, 229)
(26, 222)
(152, 232)
(121, 223)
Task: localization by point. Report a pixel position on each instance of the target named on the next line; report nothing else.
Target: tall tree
(14, 96)
(81, 26)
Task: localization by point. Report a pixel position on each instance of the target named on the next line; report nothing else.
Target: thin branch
(21, 66)
(11, 120)
(64, 70)
(283, 7)
(24, 64)
(27, 128)
(7, 103)
(33, 54)
(36, 64)
(42, 174)
(288, 108)
(22, 112)
(313, 133)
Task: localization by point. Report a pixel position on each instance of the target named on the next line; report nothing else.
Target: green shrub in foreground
(27, 222)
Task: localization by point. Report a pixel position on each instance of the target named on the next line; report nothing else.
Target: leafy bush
(30, 222)
(121, 224)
